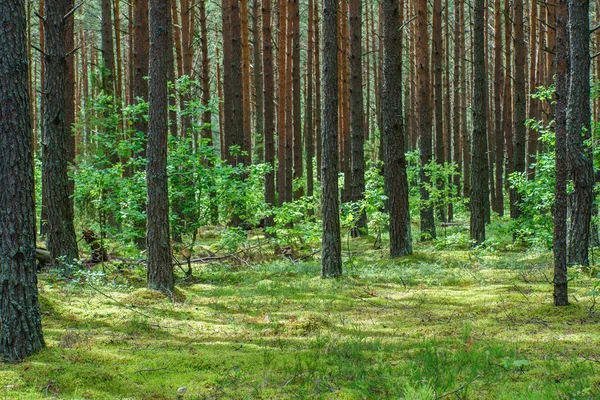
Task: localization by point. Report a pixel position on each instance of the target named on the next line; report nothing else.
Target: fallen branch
(459, 389)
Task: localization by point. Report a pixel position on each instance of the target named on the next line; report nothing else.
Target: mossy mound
(307, 324)
(146, 297)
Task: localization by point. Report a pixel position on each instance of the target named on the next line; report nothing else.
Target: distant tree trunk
(396, 181)
(281, 96)
(519, 104)
(21, 333)
(118, 58)
(297, 96)
(331, 253)
(464, 133)
(159, 264)
(258, 82)
(561, 293)
(141, 40)
(507, 111)
(532, 137)
(246, 92)
(357, 133)
(447, 104)
(269, 108)
(289, 106)
(42, 36)
(438, 57)
(308, 112)
(578, 132)
(424, 95)
(498, 205)
(232, 81)
(456, 95)
(221, 106)
(70, 98)
(62, 242)
(206, 131)
(479, 161)
(317, 90)
(108, 55)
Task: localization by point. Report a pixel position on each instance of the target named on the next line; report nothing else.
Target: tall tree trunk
(395, 178)
(206, 130)
(447, 104)
(297, 97)
(578, 132)
(357, 117)
(456, 95)
(425, 146)
(507, 111)
(519, 104)
(479, 161)
(317, 53)
(118, 59)
(438, 56)
(246, 95)
(331, 254)
(21, 333)
(498, 205)
(464, 130)
(308, 112)
(281, 100)
(141, 62)
(159, 264)
(108, 55)
(258, 81)
(532, 137)
(70, 99)
(561, 293)
(289, 106)
(269, 108)
(62, 242)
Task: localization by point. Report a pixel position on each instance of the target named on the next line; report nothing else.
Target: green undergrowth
(469, 324)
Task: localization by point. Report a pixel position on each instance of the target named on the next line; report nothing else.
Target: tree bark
(425, 139)
(21, 329)
(479, 161)
(62, 242)
(141, 62)
(437, 52)
(578, 132)
(309, 112)
(357, 134)
(331, 255)
(281, 96)
(269, 108)
(108, 55)
(395, 178)
(561, 293)
(498, 205)
(159, 264)
(258, 82)
(519, 105)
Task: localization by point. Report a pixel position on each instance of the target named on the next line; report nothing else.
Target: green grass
(465, 324)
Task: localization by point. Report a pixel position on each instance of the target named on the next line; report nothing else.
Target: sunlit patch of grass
(477, 324)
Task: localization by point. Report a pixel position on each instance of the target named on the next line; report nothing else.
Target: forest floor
(450, 323)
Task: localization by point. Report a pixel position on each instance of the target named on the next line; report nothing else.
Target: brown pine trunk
(258, 82)
(519, 104)
(331, 255)
(141, 42)
(246, 92)
(425, 145)
(118, 59)
(317, 90)
(289, 110)
(532, 137)
(159, 263)
(437, 94)
(457, 88)
(21, 333)
(308, 113)
(507, 111)
(206, 130)
(297, 97)
(269, 108)
(447, 104)
(498, 204)
(224, 150)
(464, 133)
(108, 55)
(281, 100)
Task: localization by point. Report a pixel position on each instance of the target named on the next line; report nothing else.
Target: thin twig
(459, 389)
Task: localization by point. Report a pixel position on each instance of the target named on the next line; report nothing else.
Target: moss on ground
(465, 324)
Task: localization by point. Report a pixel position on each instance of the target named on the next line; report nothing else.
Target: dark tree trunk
(258, 82)
(309, 112)
(141, 40)
(424, 96)
(331, 256)
(456, 128)
(269, 108)
(520, 99)
(108, 54)
(281, 96)
(62, 242)
(206, 131)
(396, 181)
(317, 113)
(357, 133)
(532, 134)
(507, 111)
(498, 205)
(70, 98)
(578, 132)
(479, 161)
(21, 327)
(297, 96)
(437, 55)
(160, 269)
(561, 294)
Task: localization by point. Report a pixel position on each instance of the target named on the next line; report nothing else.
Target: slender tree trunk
(438, 56)
(519, 104)
(206, 130)
(396, 181)
(21, 329)
(464, 134)
(331, 257)
(108, 55)
(498, 205)
(532, 137)
(308, 112)
(62, 242)
(317, 90)
(281, 96)
(425, 146)
(479, 161)
(141, 62)
(456, 125)
(269, 108)
(447, 104)
(578, 132)
(507, 111)
(118, 59)
(561, 293)
(289, 106)
(258, 81)
(160, 269)
(246, 95)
